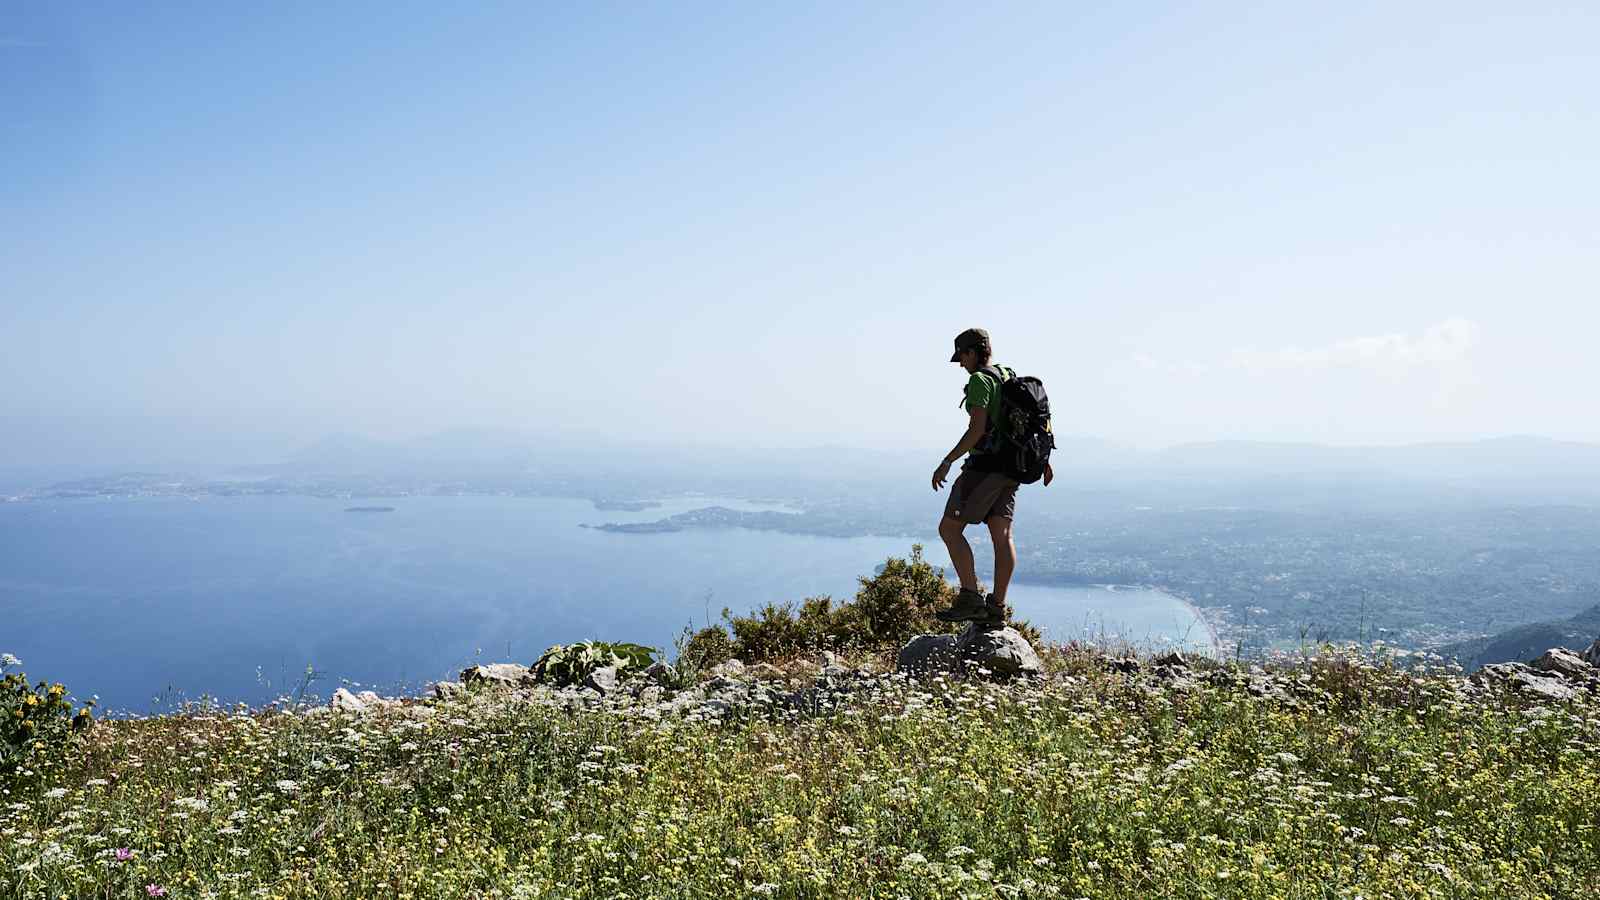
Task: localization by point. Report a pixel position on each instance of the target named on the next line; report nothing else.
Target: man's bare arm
(978, 419)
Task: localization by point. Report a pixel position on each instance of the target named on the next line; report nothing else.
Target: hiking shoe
(994, 613)
(969, 605)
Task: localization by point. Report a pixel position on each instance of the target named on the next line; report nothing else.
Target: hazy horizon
(230, 236)
(498, 443)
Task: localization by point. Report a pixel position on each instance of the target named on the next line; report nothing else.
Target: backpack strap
(1000, 374)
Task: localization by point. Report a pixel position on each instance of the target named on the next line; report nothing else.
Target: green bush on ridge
(889, 609)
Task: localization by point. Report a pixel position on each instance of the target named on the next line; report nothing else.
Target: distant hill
(1513, 457)
(462, 445)
(1528, 641)
(1508, 469)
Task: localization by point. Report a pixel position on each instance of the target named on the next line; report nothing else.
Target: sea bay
(145, 601)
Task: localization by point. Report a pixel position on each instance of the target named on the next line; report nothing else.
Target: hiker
(984, 491)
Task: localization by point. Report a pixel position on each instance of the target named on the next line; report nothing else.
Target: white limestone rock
(1528, 680)
(360, 704)
(506, 675)
(603, 679)
(344, 701)
(1563, 662)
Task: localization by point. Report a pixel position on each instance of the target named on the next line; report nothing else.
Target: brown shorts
(976, 496)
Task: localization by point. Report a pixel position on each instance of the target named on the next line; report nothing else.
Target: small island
(624, 505)
(369, 509)
(723, 517)
(662, 527)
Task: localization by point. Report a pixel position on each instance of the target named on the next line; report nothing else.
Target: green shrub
(704, 649)
(572, 663)
(773, 632)
(889, 609)
(34, 720)
(896, 604)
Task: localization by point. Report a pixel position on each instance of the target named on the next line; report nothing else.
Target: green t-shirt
(983, 390)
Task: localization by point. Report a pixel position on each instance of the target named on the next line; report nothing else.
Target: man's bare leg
(1005, 555)
(950, 529)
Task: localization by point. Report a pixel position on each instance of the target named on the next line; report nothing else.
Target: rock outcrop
(927, 653)
(497, 674)
(1592, 655)
(1563, 662)
(1002, 654)
(995, 652)
(366, 701)
(603, 679)
(1521, 677)
(1557, 674)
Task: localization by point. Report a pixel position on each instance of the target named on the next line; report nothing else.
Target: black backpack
(1021, 440)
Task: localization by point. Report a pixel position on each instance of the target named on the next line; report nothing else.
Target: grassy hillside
(1327, 778)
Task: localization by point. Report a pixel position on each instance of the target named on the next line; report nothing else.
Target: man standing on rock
(982, 493)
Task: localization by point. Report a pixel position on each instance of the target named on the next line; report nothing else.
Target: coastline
(1211, 628)
(1215, 639)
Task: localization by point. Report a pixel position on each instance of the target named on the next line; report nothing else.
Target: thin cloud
(1445, 344)
(1444, 347)
(7, 43)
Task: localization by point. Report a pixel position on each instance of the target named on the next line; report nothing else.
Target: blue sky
(231, 230)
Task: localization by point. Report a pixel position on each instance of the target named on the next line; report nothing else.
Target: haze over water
(126, 598)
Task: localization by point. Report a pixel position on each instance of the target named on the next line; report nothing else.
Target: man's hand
(977, 418)
(1049, 474)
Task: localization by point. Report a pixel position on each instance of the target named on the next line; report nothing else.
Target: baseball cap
(971, 339)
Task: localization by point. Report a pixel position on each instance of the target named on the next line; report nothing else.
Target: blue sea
(147, 602)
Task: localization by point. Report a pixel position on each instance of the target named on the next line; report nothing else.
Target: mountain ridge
(1524, 642)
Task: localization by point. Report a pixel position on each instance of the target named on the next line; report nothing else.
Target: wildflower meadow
(1357, 779)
